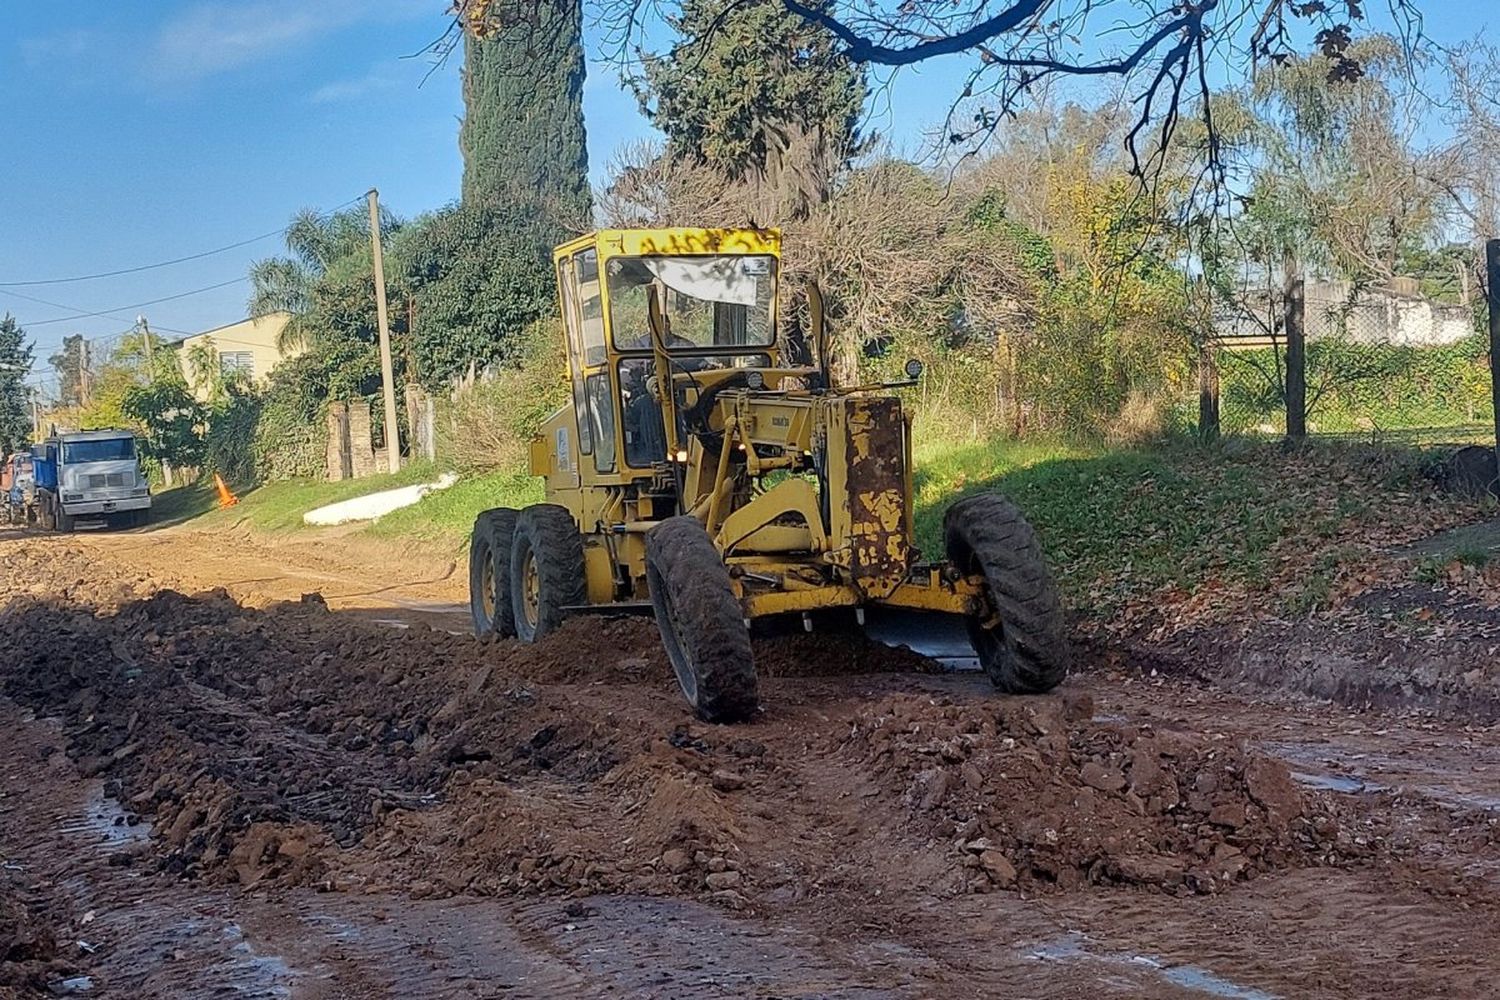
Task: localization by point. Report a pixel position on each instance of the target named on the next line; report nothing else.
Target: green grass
(1118, 525)
(275, 507)
(445, 518)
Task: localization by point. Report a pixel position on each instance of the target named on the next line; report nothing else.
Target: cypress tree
(523, 137)
(15, 406)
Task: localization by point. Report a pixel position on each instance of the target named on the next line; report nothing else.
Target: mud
(262, 744)
(290, 796)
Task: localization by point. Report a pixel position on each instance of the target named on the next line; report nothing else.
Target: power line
(167, 263)
(119, 309)
(59, 305)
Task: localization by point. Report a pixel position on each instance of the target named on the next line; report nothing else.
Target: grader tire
(1027, 651)
(489, 573)
(546, 570)
(702, 624)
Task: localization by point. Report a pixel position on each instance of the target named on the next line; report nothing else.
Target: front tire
(702, 625)
(546, 570)
(489, 573)
(1026, 650)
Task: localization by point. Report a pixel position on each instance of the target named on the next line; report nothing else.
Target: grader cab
(701, 474)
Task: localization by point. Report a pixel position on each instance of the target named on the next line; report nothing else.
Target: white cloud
(353, 88)
(211, 38)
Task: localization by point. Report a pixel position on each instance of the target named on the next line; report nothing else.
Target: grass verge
(1126, 531)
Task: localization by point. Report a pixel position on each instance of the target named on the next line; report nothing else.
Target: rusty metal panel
(875, 449)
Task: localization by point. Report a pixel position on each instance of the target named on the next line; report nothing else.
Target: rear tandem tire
(1027, 652)
(489, 573)
(702, 624)
(546, 570)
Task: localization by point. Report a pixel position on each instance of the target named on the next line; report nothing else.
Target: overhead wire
(8, 287)
(168, 263)
(121, 309)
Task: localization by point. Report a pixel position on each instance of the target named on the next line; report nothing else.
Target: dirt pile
(30, 959)
(1033, 793)
(214, 720)
(297, 746)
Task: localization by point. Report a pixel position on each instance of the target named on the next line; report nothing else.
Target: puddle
(1411, 774)
(1335, 783)
(249, 973)
(105, 824)
(1073, 947)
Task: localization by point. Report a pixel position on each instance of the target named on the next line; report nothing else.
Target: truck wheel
(489, 573)
(1025, 651)
(63, 519)
(546, 570)
(702, 624)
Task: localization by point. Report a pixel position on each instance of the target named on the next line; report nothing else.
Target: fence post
(1208, 390)
(1492, 293)
(1296, 356)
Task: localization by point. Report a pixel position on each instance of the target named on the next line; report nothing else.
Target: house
(1394, 315)
(249, 347)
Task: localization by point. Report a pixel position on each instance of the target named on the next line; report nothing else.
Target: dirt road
(249, 791)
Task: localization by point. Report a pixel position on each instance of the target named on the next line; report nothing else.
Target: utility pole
(387, 377)
(83, 372)
(36, 416)
(150, 367)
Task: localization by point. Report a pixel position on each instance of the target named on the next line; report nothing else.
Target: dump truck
(18, 488)
(90, 474)
(703, 473)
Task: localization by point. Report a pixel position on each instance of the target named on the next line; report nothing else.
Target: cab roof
(96, 435)
(676, 241)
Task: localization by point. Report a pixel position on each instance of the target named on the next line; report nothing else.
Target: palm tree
(315, 242)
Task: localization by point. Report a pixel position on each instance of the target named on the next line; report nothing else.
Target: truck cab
(90, 474)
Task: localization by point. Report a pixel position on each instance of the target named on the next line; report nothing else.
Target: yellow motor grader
(699, 473)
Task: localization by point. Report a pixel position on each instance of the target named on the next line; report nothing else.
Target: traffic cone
(226, 498)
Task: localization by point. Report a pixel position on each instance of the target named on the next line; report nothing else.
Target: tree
(1333, 167)
(474, 282)
(758, 94)
(523, 137)
(15, 400)
(1163, 49)
(170, 419)
(68, 364)
(319, 247)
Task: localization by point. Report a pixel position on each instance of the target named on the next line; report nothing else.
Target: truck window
(103, 450)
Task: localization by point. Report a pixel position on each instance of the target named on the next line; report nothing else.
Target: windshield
(103, 450)
(722, 301)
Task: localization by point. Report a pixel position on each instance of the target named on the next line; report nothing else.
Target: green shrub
(488, 424)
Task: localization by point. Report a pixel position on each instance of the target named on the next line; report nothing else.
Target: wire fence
(1383, 365)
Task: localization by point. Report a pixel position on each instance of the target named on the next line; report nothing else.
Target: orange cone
(226, 498)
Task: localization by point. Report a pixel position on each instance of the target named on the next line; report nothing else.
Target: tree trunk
(1295, 304)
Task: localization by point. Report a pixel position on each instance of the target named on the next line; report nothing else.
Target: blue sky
(148, 132)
